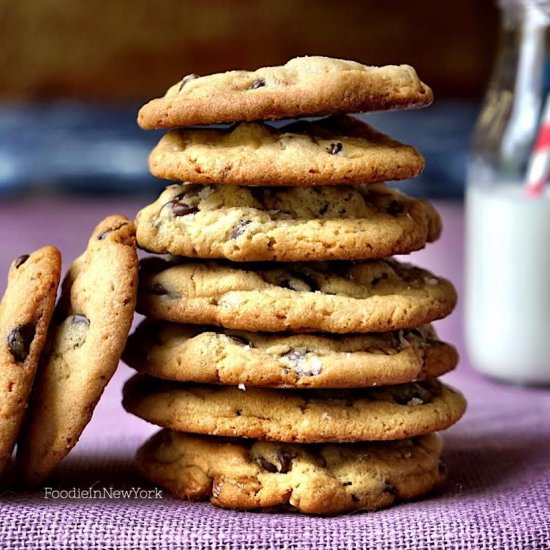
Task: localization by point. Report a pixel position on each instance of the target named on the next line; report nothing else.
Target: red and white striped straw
(538, 170)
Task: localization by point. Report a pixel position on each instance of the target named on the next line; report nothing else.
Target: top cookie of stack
(305, 219)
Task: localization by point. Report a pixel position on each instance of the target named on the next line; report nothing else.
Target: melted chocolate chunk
(240, 340)
(414, 395)
(379, 278)
(302, 277)
(187, 79)
(415, 332)
(390, 489)
(285, 459)
(20, 340)
(259, 83)
(180, 208)
(159, 290)
(266, 465)
(239, 229)
(335, 148)
(102, 236)
(395, 208)
(21, 260)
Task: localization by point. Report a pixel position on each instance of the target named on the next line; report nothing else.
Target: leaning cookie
(286, 223)
(333, 151)
(304, 416)
(189, 353)
(25, 313)
(313, 479)
(368, 296)
(87, 336)
(304, 86)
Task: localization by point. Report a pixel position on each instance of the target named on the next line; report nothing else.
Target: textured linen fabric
(498, 494)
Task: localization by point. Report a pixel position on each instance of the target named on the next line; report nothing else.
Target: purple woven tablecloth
(498, 495)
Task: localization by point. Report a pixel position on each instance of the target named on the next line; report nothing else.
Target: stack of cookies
(287, 357)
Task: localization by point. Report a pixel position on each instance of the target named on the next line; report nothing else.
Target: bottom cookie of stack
(314, 479)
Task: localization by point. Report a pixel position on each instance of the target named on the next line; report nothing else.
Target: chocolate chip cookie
(286, 223)
(86, 339)
(368, 296)
(313, 479)
(25, 313)
(206, 355)
(333, 151)
(305, 416)
(305, 86)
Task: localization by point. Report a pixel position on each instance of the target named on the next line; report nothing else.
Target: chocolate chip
(21, 260)
(258, 83)
(354, 498)
(413, 395)
(379, 278)
(308, 281)
(347, 483)
(334, 148)
(102, 236)
(285, 459)
(239, 229)
(266, 465)
(180, 208)
(240, 340)
(390, 489)
(415, 332)
(323, 209)
(395, 208)
(187, 79)
(20, 340)
(398, 340)
(159, 290)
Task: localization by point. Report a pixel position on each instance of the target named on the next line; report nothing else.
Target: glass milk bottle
(508, 232)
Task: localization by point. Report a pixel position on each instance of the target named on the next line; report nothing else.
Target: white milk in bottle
(508, 283)
(507, 308)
